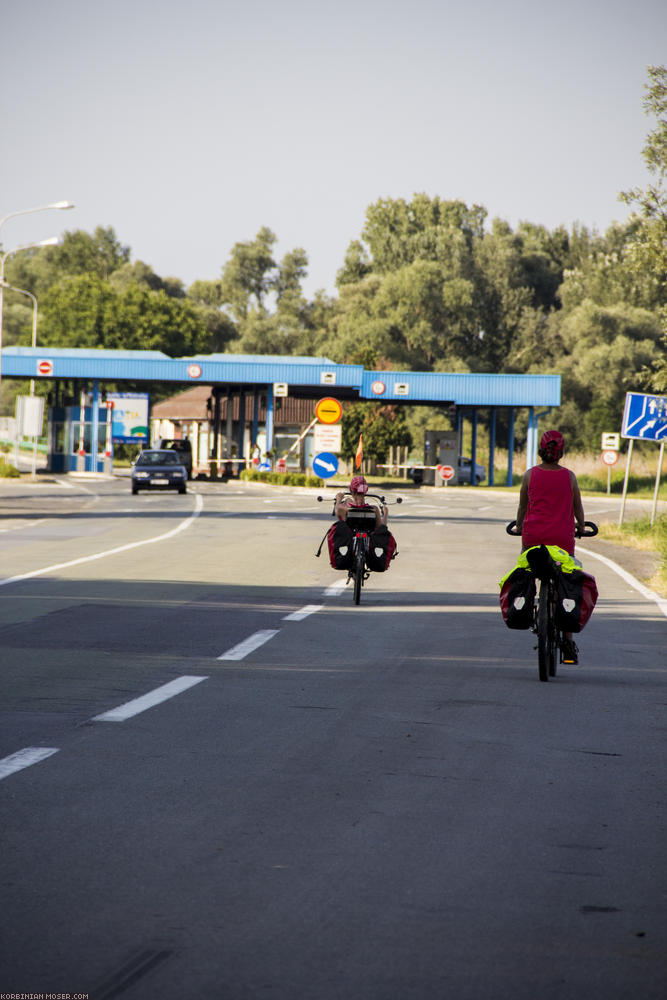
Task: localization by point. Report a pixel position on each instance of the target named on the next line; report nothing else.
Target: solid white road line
(629, 578)
(253, 642)
(24, 758)
(298, 616)
(146, 701)
(110, 552)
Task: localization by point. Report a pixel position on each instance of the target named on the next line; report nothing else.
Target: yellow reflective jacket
(562, 558)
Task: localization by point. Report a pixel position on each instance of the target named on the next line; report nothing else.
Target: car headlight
(142, 475)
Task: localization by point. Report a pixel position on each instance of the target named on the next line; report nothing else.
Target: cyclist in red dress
(549, 506)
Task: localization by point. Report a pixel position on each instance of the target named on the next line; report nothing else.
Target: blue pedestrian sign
(645, 417)
(325, 465)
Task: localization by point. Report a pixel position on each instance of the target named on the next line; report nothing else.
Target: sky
(189, 126)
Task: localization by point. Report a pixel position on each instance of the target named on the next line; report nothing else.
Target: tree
(249, 275)
(382, 425)
(86, 311)
(650, 247)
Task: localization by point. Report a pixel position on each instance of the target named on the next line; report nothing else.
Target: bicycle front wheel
(359, 567)
(546, 633)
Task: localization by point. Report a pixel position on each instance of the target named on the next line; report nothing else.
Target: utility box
(440, 448)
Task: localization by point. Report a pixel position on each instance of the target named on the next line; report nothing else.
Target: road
(222, 779)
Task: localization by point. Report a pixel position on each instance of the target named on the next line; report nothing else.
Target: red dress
(549, 518)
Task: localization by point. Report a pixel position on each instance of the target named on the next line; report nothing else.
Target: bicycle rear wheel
(546, 633)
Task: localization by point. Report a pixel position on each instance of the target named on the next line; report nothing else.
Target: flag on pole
(360, 453)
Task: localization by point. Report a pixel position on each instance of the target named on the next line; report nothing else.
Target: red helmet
(358, 485)
(552, 445)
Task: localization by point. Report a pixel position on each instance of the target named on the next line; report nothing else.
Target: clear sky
(188, 126)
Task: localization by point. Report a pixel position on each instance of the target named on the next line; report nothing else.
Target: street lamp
(40, 208)
(22, 291)
(52, 241)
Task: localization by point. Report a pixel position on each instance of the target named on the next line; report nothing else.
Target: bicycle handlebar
(374, 496)
(511, 530)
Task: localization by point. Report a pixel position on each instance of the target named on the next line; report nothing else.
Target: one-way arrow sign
(325, 465)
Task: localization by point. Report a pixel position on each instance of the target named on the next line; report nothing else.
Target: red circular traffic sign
(378, 388)
(610, 457)
(446, 472)
(45, 367)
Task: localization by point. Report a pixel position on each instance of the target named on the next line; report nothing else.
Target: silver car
(464, 468)
(159, 469)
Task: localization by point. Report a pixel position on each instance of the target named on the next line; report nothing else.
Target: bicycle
(362, 522)
(550, 637)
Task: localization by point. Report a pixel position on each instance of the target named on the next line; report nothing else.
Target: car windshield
(158, 458)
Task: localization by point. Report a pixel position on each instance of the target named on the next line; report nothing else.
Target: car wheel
(182, 489)
(135, 490)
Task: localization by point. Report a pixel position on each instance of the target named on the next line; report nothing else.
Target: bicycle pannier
(381, 550)
(339, 540)
(517, 598)
(577, 594)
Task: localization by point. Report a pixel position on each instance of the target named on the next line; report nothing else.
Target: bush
(280, 478)
(8, 471)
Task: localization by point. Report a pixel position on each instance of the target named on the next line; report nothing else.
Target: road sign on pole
(610, 441)
(645, 417)
(446, 472)
(328, 437)
(325, 465)
(328, 410)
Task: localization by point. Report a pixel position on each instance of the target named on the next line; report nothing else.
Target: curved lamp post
(43, 243)
(40, 208)
(52, 241)
(23, 291)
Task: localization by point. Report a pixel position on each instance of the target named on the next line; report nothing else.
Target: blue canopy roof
(312, 376)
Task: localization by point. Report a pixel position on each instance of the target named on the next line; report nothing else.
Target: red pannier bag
(517, 598)
(577, 596)
(339, 542)
(381, 550)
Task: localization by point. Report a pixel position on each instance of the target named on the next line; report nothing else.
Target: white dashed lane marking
(146, 701)
(24, 758)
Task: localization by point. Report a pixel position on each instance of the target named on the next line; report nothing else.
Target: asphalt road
(220, 778)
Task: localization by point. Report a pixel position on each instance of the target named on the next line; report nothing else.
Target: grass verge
(641, 534)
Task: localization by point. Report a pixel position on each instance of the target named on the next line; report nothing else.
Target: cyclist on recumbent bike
(354, 513)
(549, 505)
(358, 491)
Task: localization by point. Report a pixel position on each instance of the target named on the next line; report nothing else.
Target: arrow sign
(325, 465)
(645, 417)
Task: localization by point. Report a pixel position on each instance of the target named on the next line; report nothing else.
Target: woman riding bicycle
(549, 506)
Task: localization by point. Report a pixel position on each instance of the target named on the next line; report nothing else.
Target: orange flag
(360, 453)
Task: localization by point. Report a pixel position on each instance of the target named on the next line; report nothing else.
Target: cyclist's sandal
(569, 651)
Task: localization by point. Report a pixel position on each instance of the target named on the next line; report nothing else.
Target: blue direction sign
(325, 465)
(645, 417)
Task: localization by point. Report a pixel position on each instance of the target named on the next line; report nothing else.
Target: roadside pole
(625, 481)
(657, 481)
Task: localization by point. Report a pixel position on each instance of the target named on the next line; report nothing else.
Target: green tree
(249, 275)
(650, 247)
(86, 311)
(382, 426)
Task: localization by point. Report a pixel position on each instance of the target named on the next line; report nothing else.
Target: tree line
(428, 285)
